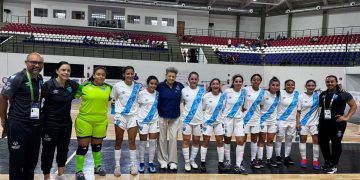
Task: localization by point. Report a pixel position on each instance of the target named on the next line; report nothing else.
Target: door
(180, 27)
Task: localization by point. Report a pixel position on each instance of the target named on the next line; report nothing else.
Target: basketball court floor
(349, 166)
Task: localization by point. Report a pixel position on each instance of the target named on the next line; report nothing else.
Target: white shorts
(188, 129)
(268, 128)
(252, 129)
(309, 130)
(216, 129)
(233, 126)
(152, 127)
(286, 128)
(125, 122)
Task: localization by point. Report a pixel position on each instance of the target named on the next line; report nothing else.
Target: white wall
(341, 18)
(276, 24)
(223, 22)
(206, 71)
(250, 24)
(51, 5)
(17, 9)
(150, 13)
(302, 21)
(194, 19)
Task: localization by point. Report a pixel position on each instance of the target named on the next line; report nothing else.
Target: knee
(118, 144)
(186, 142)
(196, 142)
(96, 147)
(81, 150)
(205, 144)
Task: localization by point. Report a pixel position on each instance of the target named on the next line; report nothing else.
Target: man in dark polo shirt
(22, 123)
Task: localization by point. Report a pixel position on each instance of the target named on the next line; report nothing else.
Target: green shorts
(90, 129)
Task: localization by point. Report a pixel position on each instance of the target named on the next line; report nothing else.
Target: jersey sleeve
(203, 102)
(11, 86)
(346, 96)
(321, 99)
(114, 93)
(299, 105)
(45, 89)
(79, 91)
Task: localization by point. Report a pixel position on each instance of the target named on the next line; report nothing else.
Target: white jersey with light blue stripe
(304, 106)
(188, 96)
(146, 101)
(265, 105)
(231, 98)
(121, 92)
(209, 104)
(251, 96)
(285, 100)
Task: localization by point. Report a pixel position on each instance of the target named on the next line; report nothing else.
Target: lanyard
(31, 88)
(331, 101)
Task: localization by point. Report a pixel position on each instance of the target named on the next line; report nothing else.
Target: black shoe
(221, 167)
(255, 164)
(240, 170)
(326, 167)
(332, 170)
(271, 163)
(261, 164)
(288, 161)
(227, 166)
(278, 160)
(203, 167)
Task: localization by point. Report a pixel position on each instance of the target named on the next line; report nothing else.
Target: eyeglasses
(35, 62)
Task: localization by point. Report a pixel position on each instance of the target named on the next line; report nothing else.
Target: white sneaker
(187, 166)
(194, 165)
(163, 166)
(173, 166)
(134, 169)
(61, 177)
(117, 171)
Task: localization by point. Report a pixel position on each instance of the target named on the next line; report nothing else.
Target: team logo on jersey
(47, 137)
(210, 101)
(146, 100)
(284, 97)
(55, 91)
(184, 128)
(229, 97)
(177, 88)
(266, 98)
(305, 101)
(248, 95)
(27, 84)
(69, 89)
(103, 88)
(187, 95)
(122, 92)
(15, 145)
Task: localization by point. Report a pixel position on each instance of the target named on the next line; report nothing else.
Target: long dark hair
(215, 79)
(58, 65)
(287, 82)
(125, 69)
(91, 79)
(233, 79)
(274, 79)
(338, 88)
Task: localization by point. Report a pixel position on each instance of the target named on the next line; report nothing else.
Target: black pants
(329, 131)
(57, 136)
(24, 144)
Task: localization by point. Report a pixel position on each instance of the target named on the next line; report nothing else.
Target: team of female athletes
(238, 111)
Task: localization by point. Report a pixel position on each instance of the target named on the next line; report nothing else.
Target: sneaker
(163, 166)
(332, 170)
(134, 170)
(61, 177)
(141, 168)
(303, 163)
(237, 170)
(187, 167)
(325, 167)
(221, 167)
(254, 164)
(261, 164)
(152, 168)
(117, 171)
(271, 163)
(288, 161)
(316, 165)
(203, 167)
(100, 171)
(173, 166)
(80, 176)
(194, 165)
(278, 160)
(227, 165)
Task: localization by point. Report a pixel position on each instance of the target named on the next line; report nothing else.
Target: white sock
(194, 152)
(260, 153)
(278, 148)
(287, 148)
(203, 151)
(316, 152)
(239, 154)
(302, 147)
(253, 150)
(227, 152)
(142, 151)
(220, 151)
(152, 147)
(133, 159)
(117, 157)
(269, 152)
(186, 154)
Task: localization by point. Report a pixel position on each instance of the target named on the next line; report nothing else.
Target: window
(40, 12)
(132, 19)
(61, 14)
(78, 15)
(167, 22)
(98, 16)
(151, 21)
(119, 17)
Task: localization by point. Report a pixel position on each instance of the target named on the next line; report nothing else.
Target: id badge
(327, 114)
(35, 111)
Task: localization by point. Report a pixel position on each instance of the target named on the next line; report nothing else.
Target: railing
(15, 19)
(220, 33)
